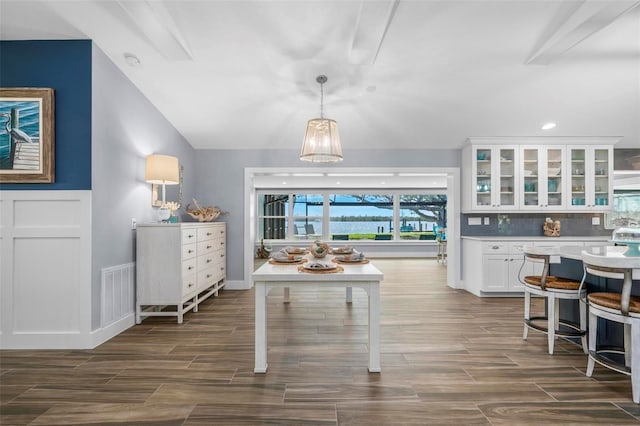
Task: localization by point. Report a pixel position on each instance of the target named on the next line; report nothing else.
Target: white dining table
(270, 276)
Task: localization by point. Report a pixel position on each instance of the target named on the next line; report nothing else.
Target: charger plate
(287, 262)
(352, 262)
(321, 271)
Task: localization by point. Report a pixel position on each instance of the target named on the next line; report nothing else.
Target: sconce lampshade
(321, 141)
(162, 169)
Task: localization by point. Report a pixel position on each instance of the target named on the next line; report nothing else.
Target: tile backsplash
(530, 224)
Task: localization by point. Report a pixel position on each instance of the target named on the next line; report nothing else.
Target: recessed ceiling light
(131, 59)
(548, 126)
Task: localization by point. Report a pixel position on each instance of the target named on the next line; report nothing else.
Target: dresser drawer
(206, 247)
(207, 233)
(189, 235)
(188, 251)
(188, 284)
(206, 277)
(207, 261)
(189, 266)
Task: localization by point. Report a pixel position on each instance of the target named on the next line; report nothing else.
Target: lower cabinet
(178, 266)
(493, 268)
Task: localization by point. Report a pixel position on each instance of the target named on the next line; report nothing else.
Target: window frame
(326, 218)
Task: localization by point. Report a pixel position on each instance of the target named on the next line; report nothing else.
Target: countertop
(539, 238)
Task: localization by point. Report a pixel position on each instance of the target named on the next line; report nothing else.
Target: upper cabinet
(494, 171)
(537, 174)
(543, 170)
(591, 183)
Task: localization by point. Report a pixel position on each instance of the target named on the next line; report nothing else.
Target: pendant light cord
(321, 100)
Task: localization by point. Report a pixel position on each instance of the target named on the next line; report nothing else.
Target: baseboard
(238, 285)
(101, 335)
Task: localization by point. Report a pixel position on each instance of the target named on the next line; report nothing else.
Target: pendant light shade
(321, 139)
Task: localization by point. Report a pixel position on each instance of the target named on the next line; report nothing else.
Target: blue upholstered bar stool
(553, 289)
(620, 307)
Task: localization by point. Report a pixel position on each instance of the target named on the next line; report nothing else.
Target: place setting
(288, 256)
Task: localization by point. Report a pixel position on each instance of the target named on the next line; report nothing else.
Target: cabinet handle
(506, 260)
(495, 247)
(189, 251)
(208, 260)
(222, 255)
(209, 275)
(208, 233)
(190, 285)
(511, 260)
(190, 236)
(208, 247)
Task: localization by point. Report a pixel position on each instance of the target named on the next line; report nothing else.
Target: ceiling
(402, 74)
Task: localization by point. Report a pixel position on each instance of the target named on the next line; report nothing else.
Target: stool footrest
(574, 332)
(616, 366)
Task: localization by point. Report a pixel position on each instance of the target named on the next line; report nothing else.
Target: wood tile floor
(448, 357)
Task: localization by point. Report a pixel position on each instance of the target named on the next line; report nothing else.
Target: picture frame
(27, 135)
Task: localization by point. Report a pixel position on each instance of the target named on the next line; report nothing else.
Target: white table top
(352, 272)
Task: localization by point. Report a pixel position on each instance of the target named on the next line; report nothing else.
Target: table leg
(286, 295)
(349, 295)
(261, 328)
(374, 328)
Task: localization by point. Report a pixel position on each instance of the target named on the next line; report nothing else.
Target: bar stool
(552, 289)
(619, 307)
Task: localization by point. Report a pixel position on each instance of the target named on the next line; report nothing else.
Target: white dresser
(178, 266)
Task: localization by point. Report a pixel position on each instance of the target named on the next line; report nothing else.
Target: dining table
(362, 274)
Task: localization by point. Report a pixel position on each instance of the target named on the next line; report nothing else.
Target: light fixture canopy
(321, 139)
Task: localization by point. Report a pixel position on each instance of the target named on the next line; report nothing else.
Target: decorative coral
(204, 214)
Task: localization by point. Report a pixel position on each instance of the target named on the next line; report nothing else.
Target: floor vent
(118, 297)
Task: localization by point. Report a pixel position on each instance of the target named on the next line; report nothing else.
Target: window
(419, 213)
(348, 216)
(361, 217)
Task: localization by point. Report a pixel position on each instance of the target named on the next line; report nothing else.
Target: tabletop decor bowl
(319, 249)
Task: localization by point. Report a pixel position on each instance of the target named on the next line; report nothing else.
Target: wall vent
(118, 294)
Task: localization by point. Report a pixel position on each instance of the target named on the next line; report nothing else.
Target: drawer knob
(190, 236)
(189, 251)
(208, 260)
(190, 268)
(209, 247)
(495, 247)
(208, 275)
(208, 233)
(190, 285)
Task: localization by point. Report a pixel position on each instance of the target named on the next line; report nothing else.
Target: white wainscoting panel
(45, 269)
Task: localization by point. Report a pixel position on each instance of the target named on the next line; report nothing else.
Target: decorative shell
(203, 214)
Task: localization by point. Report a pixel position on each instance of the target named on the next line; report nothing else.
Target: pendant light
(321, 139)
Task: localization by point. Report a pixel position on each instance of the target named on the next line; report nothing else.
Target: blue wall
(64, 66)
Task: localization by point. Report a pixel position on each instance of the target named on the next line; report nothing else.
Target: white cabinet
(493, 186)
(591, 183)
(543, 174)
(501, 267)
(492, 267)
(178, 266)
(548, 175)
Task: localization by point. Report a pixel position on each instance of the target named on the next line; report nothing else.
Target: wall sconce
(162, 170)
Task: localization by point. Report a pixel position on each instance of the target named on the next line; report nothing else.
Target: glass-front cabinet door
(542, 170)
(591, 186)
(507, 167)
(495, 178)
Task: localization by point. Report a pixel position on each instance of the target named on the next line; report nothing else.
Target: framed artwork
(26, 135)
